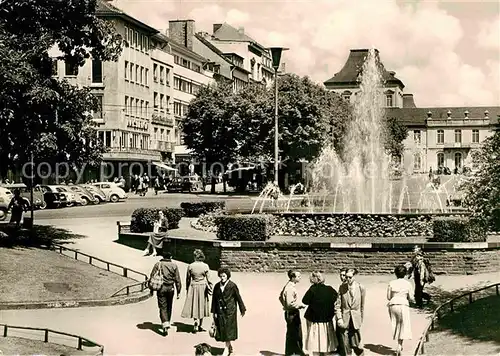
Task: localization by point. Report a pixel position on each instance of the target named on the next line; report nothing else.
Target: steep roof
(227, 32)
(106, 9)
(418, 116)
(217, 51)
(354, 65)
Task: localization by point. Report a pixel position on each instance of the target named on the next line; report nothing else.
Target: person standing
(421, 274)
(171, 284)
(319, 315)
(17, 206)
(198, 288)
(225, 303)
(291, 306)
(339, 331)
(156, 238)
(398, 295)
(349, 311)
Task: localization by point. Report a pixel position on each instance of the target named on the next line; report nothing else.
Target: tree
(482, 190)
(396, 133)
(38, 113)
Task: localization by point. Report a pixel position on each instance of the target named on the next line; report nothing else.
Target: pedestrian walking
(349, 311)
(320, 313)
(399, 293)
(199, 288)
(159, 234)
(422, 275)
(171, 284)
(225, 303)
(291, 306)
(17, 206)
(339, 331)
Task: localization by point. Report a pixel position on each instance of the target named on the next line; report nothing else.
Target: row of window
(136, 40)
(136, 107)
(458, 158)
(161, 74)
(136, 73)
(186, 86)
(417, 136)
(161, 101)
(180, 109)
(187, 63)
(123, 139)
(161, 134)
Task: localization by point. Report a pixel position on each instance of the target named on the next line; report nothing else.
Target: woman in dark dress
(225, 303)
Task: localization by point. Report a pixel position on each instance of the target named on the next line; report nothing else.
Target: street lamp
(276, 56)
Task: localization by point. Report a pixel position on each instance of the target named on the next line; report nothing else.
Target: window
(146, 77)
(417, 136)
(186, 63)
(162, 97)
(167, 76)
(96, 71)
(131, 37)
(71, 69)
(177, 108)
(475, 136)
(417, 162)
(131, 76)
(136, 39)
(177, 59)
(147, 109)
(141, 108)
(458, 136)
(177, 83)
(126, 69)
(136, 107)
(98, 113)
(155, 99)
(388, 100)
(126, 105)
(458, 160)
(136, 73)
(107, 141)
(155, 72)
(126, 34)
(161, 74)
(196, 68)
(440, 137)
(54, 66)
(142, 75)
(440, 159)
(130, 104)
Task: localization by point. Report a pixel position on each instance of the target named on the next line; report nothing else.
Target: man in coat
(349, 311)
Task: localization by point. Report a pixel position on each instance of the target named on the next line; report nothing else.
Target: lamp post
(276, 57)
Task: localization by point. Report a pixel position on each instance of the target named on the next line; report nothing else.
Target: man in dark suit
(349, 311)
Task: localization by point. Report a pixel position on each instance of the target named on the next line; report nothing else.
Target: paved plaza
(126, 329)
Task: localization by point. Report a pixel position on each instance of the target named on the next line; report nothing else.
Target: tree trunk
(213, 182)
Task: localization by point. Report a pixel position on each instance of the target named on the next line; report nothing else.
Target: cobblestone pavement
(126, 329)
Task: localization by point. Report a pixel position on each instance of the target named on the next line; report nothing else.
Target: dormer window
(346, 95)
(389, 98)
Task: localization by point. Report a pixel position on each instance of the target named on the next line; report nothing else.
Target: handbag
(213, 331)
(156, 281)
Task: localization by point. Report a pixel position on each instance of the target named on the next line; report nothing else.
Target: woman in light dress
(399, 293)
(320, 299)
(199, 288)
(155, 241)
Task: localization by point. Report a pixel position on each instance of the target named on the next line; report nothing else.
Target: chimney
(408, 101)
(466, 114)
(241, 30)
(216, 27)
(182, 32)
(429, 114)
(449, 114)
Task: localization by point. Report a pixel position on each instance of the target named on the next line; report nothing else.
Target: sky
(447, 53)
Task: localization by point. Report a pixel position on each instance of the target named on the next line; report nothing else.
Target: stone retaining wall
(369, 258)
(358, 225)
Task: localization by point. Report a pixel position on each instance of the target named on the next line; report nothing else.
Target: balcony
(164, 146)
(161, 117)
(449, 145)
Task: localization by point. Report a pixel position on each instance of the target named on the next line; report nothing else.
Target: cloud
(152, 12)
(489, 34)
(423, 43)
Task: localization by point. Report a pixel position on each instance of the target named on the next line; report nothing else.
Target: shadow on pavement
(270, 353)
(147, 325)
(41, 236)
(380, 349)
(183, 328)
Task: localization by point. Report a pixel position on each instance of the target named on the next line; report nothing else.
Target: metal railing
(81, 341)
(106, 265)
(452, 303)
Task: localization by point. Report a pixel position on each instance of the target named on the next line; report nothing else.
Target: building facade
(438, 137)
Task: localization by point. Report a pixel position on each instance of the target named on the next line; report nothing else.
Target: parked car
(53, 197)
(98, 193)
(72, 198)
(113, 192)
(5, 198)
(39, 201)
(185, 184)
(85, 196)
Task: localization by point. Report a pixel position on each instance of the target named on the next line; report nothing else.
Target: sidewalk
(125, 329)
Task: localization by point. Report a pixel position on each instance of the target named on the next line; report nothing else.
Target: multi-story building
(243, 51)
(437, 136)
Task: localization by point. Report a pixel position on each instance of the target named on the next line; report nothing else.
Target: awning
(163, 166)
(240, 169)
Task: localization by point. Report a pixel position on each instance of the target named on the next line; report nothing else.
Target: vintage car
(53, 197)
(185, 184)
(39, 200)
(5, 198)
(84, 195)
(98, 193)
(113, 192)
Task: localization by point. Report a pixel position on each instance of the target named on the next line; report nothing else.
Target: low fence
(450, 305)
(110, 267)
(79, 341)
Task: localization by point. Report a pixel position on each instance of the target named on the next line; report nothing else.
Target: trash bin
(28, 223)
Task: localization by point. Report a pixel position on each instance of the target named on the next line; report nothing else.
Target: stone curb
(407, 246)
(77, 303)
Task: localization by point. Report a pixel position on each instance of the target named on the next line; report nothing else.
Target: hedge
(143, 219)
(194, 210)
(244, 227)
(458, 229)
